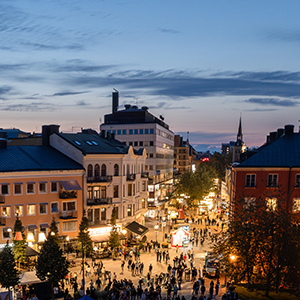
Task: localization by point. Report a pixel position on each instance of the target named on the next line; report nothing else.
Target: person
(217, 287)
(122, 266)
(202, 289)
(150, 268)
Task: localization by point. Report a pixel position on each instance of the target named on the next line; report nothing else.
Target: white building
(137, 127)
(113, 177)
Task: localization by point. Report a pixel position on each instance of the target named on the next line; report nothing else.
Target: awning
(137, 228)
(30, 227)
(45, 225)
(29, 278)
(70, 185)
(100, 238)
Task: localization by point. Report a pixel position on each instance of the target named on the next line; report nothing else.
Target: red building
(271, 174)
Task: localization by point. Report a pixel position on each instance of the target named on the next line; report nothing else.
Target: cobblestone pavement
(186, 288)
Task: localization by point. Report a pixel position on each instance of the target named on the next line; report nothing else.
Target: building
(184, 155)
(137, 127)
(38, 184)
(114, 178)
(272, 174)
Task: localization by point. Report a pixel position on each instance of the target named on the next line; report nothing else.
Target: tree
(196, 185)
(220, 162)
(19, 247)
(51, 264)
(53, 231)
(84, 239)
(114, 241)
(9, 274)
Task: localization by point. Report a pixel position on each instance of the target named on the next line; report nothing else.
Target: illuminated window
(5, 211)
(271, 204)
(19, 210)
(296, 205)
(30, 209)
(69, 226)
(249, 202)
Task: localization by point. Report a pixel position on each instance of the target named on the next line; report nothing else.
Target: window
(103, 170)
(150, 155)
(116, 170)
(151, 143)
(136, 144)
(133, 189)
(44, 228)
(141, 144)
(124, 190)
(97, 171)
(136, 131)
(103, 213)
(151, 131)
(130, 189)
(146, 131)
(69, 206)
(5, 211)
(117, 211)
(119, 131)
(271, 204)
(114, 132)
(130, 143)
(250, 180)
(42, 187)
(144, 186)
(150, 167)
(116, 191)
(54, 207)
(129, 210)
(249, 202)
(5, 189)
(297, 182)
(18, 188)
(69, 226)
(89, 193)
(30, 209)
(43, 208)
(90, 171)
(54, 187)
(124, 131)
(19, 210)
(30, 187)
(103, 191)
(141, 131)
(272, 180)
(130, 131)
(6, 233)
(296, 205)
(143, 203)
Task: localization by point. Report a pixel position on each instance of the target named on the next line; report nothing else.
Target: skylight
(95, 143)
(89, 143)
(78, 143)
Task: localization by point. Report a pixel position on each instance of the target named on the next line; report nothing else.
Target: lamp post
(156, 231)
(82, 253)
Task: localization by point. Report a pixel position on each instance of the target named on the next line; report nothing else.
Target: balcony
(68, 214)
(99, 222)
(99, 201)
(99, 179)
(2, 199)
(68, 195)
(2, 221)
(145, 175)
(131, 177)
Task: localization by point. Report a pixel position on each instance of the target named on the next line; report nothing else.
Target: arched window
(90, 171)
(97, 171)
(103, 170)
(116, 170)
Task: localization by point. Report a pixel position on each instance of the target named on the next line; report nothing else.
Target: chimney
(273, 136)
(47, 130)
(3, 143)
(288, 129)
(280, 132)
(103, 134)
(115, 101)
(108, 135)
(127, 106)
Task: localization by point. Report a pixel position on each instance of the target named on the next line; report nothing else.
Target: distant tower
(239, 146)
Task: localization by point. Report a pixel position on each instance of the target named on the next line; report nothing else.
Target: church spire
(240, 134)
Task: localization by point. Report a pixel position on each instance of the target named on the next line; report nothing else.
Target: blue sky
(198, 63)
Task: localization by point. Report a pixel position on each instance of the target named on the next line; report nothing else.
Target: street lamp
(156, 231)
(82, 229)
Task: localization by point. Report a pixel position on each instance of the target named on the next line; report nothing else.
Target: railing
(68, 195)
(99, 179)
(145, 175)
(2, 221)
(130, 177)
(99, 201)
(68, 214)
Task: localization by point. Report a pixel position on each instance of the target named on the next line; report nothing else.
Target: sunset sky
(200, 64)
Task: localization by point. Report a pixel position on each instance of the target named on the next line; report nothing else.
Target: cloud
(164, 30)
(68, 93)
(81, 103)
(272, 101)
(39, 46)
(289, 35)
(34, 107)
(5, 89)
(260, 110)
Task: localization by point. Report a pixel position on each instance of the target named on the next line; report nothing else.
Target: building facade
(271, 175)
(137, 127)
